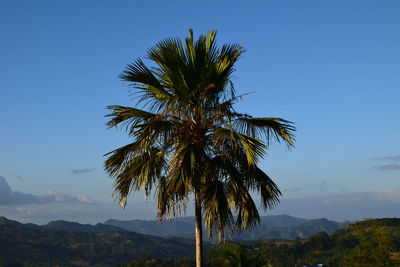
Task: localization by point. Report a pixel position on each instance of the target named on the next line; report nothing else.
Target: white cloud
(54, 196)
(388, 167)
(10, 197)
(58, 206)
(393, 158)
(86, 199)
(84, 170)
(314, 189)
(79, 212)
(14, 176)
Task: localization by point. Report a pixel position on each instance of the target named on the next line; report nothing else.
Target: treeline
(30, 245)
(368, 243)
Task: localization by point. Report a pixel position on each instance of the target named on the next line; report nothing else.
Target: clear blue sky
(332, 67)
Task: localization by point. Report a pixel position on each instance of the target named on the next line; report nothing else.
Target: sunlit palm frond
(272, 128)
(169, 203)
(255, 148)
(117, 157)
(142, 78)
(138, 173)
(127, 116)
(261, 183)
(217, 213)
(237, 190)
(247, 215)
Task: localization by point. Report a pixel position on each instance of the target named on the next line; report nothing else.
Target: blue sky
(332, 67)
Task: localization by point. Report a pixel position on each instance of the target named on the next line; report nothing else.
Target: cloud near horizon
(393, 158)
(55, 205)
(316, 188)
(334, 206)
(388, 167)
(84, 170)
(14, 176)
(9, 197)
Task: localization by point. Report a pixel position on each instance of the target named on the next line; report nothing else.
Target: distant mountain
(33, 245)
(182, 227)
(368, 243)
(278, 227)
(73, 244)
(61, 225)
(281, 220)
(301, 230)
(4, 222)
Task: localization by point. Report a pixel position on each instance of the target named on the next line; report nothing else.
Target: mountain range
(278, 227)
(64, 243)
(105, 244)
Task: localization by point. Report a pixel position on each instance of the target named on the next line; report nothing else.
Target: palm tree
(188, 139)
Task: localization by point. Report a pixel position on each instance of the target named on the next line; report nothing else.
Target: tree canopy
(188, 138)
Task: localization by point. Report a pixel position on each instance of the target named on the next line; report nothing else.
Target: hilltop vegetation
(31, 244)
(371, 243)
(367, 243)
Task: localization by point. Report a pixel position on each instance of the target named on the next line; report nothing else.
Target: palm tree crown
(188, 138)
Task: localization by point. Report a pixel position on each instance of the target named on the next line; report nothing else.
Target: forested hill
(370, 243)
(33, 244)
(61, 225)
(278, 227)
(375, 241)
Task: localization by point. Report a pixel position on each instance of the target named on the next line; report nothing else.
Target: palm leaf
(138, 173)
(144, 79)
(254, 148)
(271, 128)
(127, 116)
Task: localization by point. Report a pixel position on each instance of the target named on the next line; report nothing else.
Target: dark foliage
(31, 244)
(367, 243)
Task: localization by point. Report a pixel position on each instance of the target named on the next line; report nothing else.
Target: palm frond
(217, 212)
(182, 169)
(255, 148)
(261, 183)
(240, 199)
(118, 156)
(169, 204)
(137, 173)
(127, 116)
(272, 128)
(144, 79)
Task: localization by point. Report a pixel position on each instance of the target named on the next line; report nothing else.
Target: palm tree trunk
(199, 233)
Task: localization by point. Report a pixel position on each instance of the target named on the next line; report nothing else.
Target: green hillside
(367, 243)
(32, 244)
(370, 243)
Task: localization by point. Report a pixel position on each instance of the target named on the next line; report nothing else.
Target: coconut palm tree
(189, 140)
